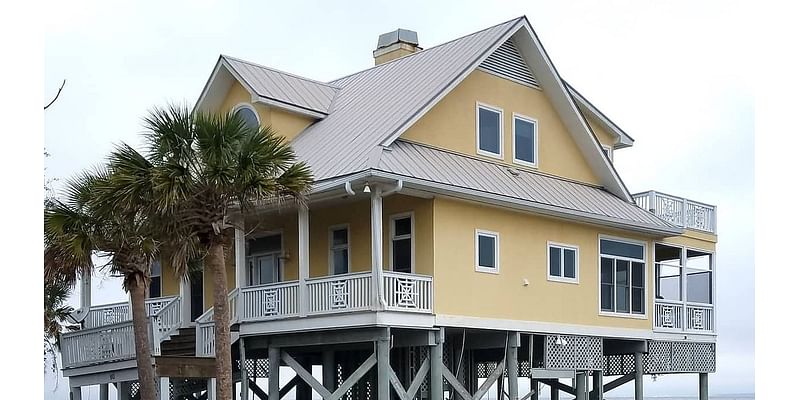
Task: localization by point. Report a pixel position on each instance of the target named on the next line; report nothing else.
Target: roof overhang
(623, 139)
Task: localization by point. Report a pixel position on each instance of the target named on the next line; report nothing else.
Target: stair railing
(164, 323)
(204, 330)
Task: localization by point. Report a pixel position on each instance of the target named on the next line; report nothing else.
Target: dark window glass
(155, 280)
(402, 226)
(637, 303)
(248, 117)
(340, 261)
(555, 261)
(622, 286)
(401, 254)
(265, 244)
(637, 274)
(607, 284)
(607, 271)
(668, 254)
(339, 237)
(523, 140)
(622, 249)
(486, 251)
(489, 130)
(339, 251)
(196, 293)
(569, 263)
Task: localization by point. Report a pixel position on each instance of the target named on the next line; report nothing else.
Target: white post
(163, 388)
(86, 290)
(184, 292)
(211, 389)
(376, 212)
(241, 260)
(302, 258)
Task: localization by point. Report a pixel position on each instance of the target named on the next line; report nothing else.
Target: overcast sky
(669, 73)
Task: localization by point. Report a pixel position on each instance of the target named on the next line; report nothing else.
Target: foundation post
(382, 350)
(437, 353)
(274, 382)
(104, 391)
(123, 391)
(329, 370)
(553, 392)
(163, 388)
(639, 377)
(512, 366)
(243, 368)
(597, 385)
(703, 386)
(211, 389)
(580, 386)
(75, 393)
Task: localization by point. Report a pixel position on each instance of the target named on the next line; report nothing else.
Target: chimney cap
(397, 36)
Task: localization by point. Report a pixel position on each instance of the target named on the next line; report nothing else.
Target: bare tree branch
(58, 93)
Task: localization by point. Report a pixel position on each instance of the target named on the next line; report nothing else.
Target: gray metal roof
(373, 104)
(284, 87)
(445, 167)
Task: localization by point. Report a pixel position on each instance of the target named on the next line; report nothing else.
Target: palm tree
(83, 224)
(56, 318)
(206, 166)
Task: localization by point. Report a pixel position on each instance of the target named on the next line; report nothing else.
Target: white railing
(668, 315)
(345, 292)
(110, 314)
(699, 318)
(164, 323)
(204, 329)
(275, 300)
(679, 211)
(408, 292)
(102, 344)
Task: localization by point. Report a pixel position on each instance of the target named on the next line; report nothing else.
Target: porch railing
(114, 313)
(275, 300)
(679, 211)
(408, 292)
(106, 343)
(346, 292)
(673, 316)
(204, 328)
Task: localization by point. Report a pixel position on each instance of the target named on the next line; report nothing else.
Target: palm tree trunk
(147, 379)
(215, 262)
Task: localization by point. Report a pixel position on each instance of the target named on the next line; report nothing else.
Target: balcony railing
(673, 316)
(408, 292)
(346, 292)
(110, 314)
(276, 300)
(679, 211)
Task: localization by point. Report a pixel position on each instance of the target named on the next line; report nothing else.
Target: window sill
(559, 279)
(527, 164)
(490, 154)
(622, 315)
(485, 270)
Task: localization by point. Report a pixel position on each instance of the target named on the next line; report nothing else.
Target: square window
(490, 132)
(622, 277)
(562, 263)
(525, 130)
(486, 252)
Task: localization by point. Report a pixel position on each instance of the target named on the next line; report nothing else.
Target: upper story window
(263, 256)
(490, 131)
(622, 277)
(699, 282)
(339, 250)
(402, 254)
(248, 114)
(155, 280)
(487, 251)
(562, 262)
(525, 141)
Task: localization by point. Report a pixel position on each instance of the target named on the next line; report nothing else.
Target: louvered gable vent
(506, 62)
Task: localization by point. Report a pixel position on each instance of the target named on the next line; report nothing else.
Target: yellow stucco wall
(451, 125)
(285, 123)
(460, 290)
(694, 239)
(602, 135)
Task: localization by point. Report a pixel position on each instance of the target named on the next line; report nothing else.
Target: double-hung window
(155, 280)
(487, 251)
(525, 140)
(562, 262)
(490, 131)
(622, 277)
(264, 259)
(402, 230)
(339, 250)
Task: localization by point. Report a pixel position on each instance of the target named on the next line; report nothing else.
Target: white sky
(671, 74)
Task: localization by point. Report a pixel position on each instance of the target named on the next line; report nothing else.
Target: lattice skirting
(665, 357)
(573, 352)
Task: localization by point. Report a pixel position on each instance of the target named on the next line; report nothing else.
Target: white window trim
(609, 151)
(392, 218)
(281, 254)
(330, 247)
(647, 303)
(496, 236)
(478, 106)
(563, 279)
(535, 122)
(248, 106)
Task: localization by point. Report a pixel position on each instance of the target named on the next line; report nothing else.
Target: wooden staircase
(181, 344)
(178, 360)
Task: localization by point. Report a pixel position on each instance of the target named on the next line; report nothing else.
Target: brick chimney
(395, 44)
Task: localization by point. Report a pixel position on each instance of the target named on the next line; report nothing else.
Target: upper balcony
(679, 211)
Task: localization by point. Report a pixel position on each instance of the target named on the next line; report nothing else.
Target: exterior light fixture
(366, 188)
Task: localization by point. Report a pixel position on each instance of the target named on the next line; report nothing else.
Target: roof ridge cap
(330, 85)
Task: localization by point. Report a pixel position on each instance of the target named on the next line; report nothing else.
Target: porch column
(163, 388)
(302, 258)
(382, 350)
(639, 377)
(184, 292)
(123, 390)
(239, 255)
(597, 385)
(580, 385)
(211, 389)
(703, 386)
(75, 393)
(376, 212)
(243, 369)
(86, 290)
(437, 353)
(512, 366)
(104, 391)
(554, 392)
(274, 381)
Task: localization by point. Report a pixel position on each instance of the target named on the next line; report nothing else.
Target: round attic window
(248, 115)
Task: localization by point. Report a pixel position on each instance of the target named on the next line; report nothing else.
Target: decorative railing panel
(408, 292)
(270, 301)
(679, 211)
(96, 345)
(699, 318)
(346, 292)
(668, 316)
